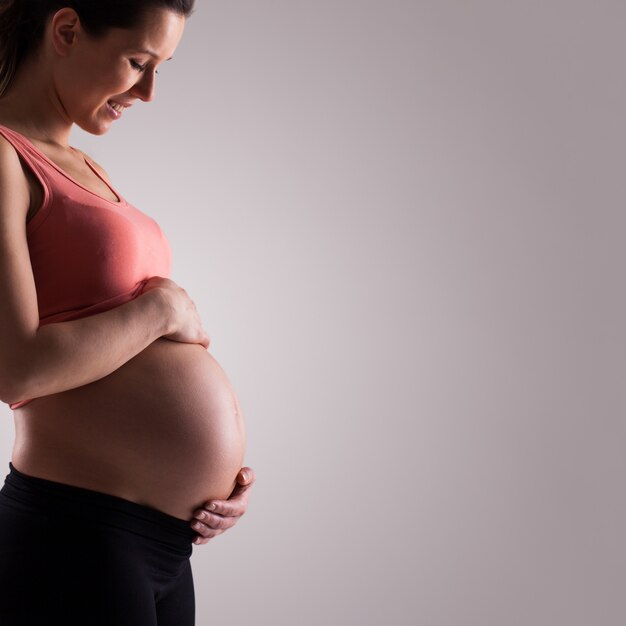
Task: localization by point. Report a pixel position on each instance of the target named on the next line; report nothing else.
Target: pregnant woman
(126, 428)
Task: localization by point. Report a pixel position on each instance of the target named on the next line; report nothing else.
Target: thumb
(246, 476)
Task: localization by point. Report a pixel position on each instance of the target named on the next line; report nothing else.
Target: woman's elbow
(13, 382)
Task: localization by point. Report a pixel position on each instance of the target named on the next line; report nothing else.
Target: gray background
(403, 225)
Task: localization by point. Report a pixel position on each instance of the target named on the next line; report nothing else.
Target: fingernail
(244, 476)
(212, 506)
(201, 516)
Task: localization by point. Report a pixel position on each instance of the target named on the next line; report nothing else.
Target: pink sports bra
(88, 254)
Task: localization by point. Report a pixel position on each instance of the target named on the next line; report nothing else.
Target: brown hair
(22, 23)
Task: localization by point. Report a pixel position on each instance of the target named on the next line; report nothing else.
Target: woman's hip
(69, 553)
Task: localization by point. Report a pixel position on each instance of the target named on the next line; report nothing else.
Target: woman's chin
(94, 126)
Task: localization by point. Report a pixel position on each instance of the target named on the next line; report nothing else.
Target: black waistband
(60, 499)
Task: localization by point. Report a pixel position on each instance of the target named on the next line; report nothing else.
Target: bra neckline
(120, 202)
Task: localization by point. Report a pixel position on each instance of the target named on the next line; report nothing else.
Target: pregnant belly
(164, 430)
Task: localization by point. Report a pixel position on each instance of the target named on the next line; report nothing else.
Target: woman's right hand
(181, 311)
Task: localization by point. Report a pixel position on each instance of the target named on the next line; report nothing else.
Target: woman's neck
(31, 106)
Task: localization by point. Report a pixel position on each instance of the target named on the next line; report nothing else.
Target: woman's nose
(144, 88)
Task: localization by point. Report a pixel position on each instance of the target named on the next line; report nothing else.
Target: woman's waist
(59, 503)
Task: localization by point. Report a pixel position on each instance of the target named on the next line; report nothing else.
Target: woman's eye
(140, 67)
(137, 66)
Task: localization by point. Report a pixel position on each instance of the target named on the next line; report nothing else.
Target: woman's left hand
(219, 515)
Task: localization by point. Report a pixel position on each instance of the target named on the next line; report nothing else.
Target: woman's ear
(64, 30)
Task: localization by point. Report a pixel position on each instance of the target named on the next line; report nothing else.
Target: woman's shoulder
(10, 166)
(14, 187)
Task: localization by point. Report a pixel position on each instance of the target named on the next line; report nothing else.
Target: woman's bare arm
(65, 355)
(38, 361)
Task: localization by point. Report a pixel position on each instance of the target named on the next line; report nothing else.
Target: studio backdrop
(402, 223)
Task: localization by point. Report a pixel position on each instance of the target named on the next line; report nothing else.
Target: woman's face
(95, 76)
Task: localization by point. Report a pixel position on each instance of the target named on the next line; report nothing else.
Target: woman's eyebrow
(151, 53)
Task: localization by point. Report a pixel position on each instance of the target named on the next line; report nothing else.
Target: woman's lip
(113, 113)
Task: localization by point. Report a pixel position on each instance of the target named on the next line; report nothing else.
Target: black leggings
(75, 557)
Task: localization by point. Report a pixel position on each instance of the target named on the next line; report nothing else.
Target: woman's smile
(116, 108)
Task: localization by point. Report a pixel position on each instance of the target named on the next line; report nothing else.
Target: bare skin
(164, 429)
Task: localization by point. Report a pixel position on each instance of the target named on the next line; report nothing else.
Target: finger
(246, 476)
(200, 541)
(245, 480)
(236, 493)
(213, 521)
(205, 531)
(235, 506)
